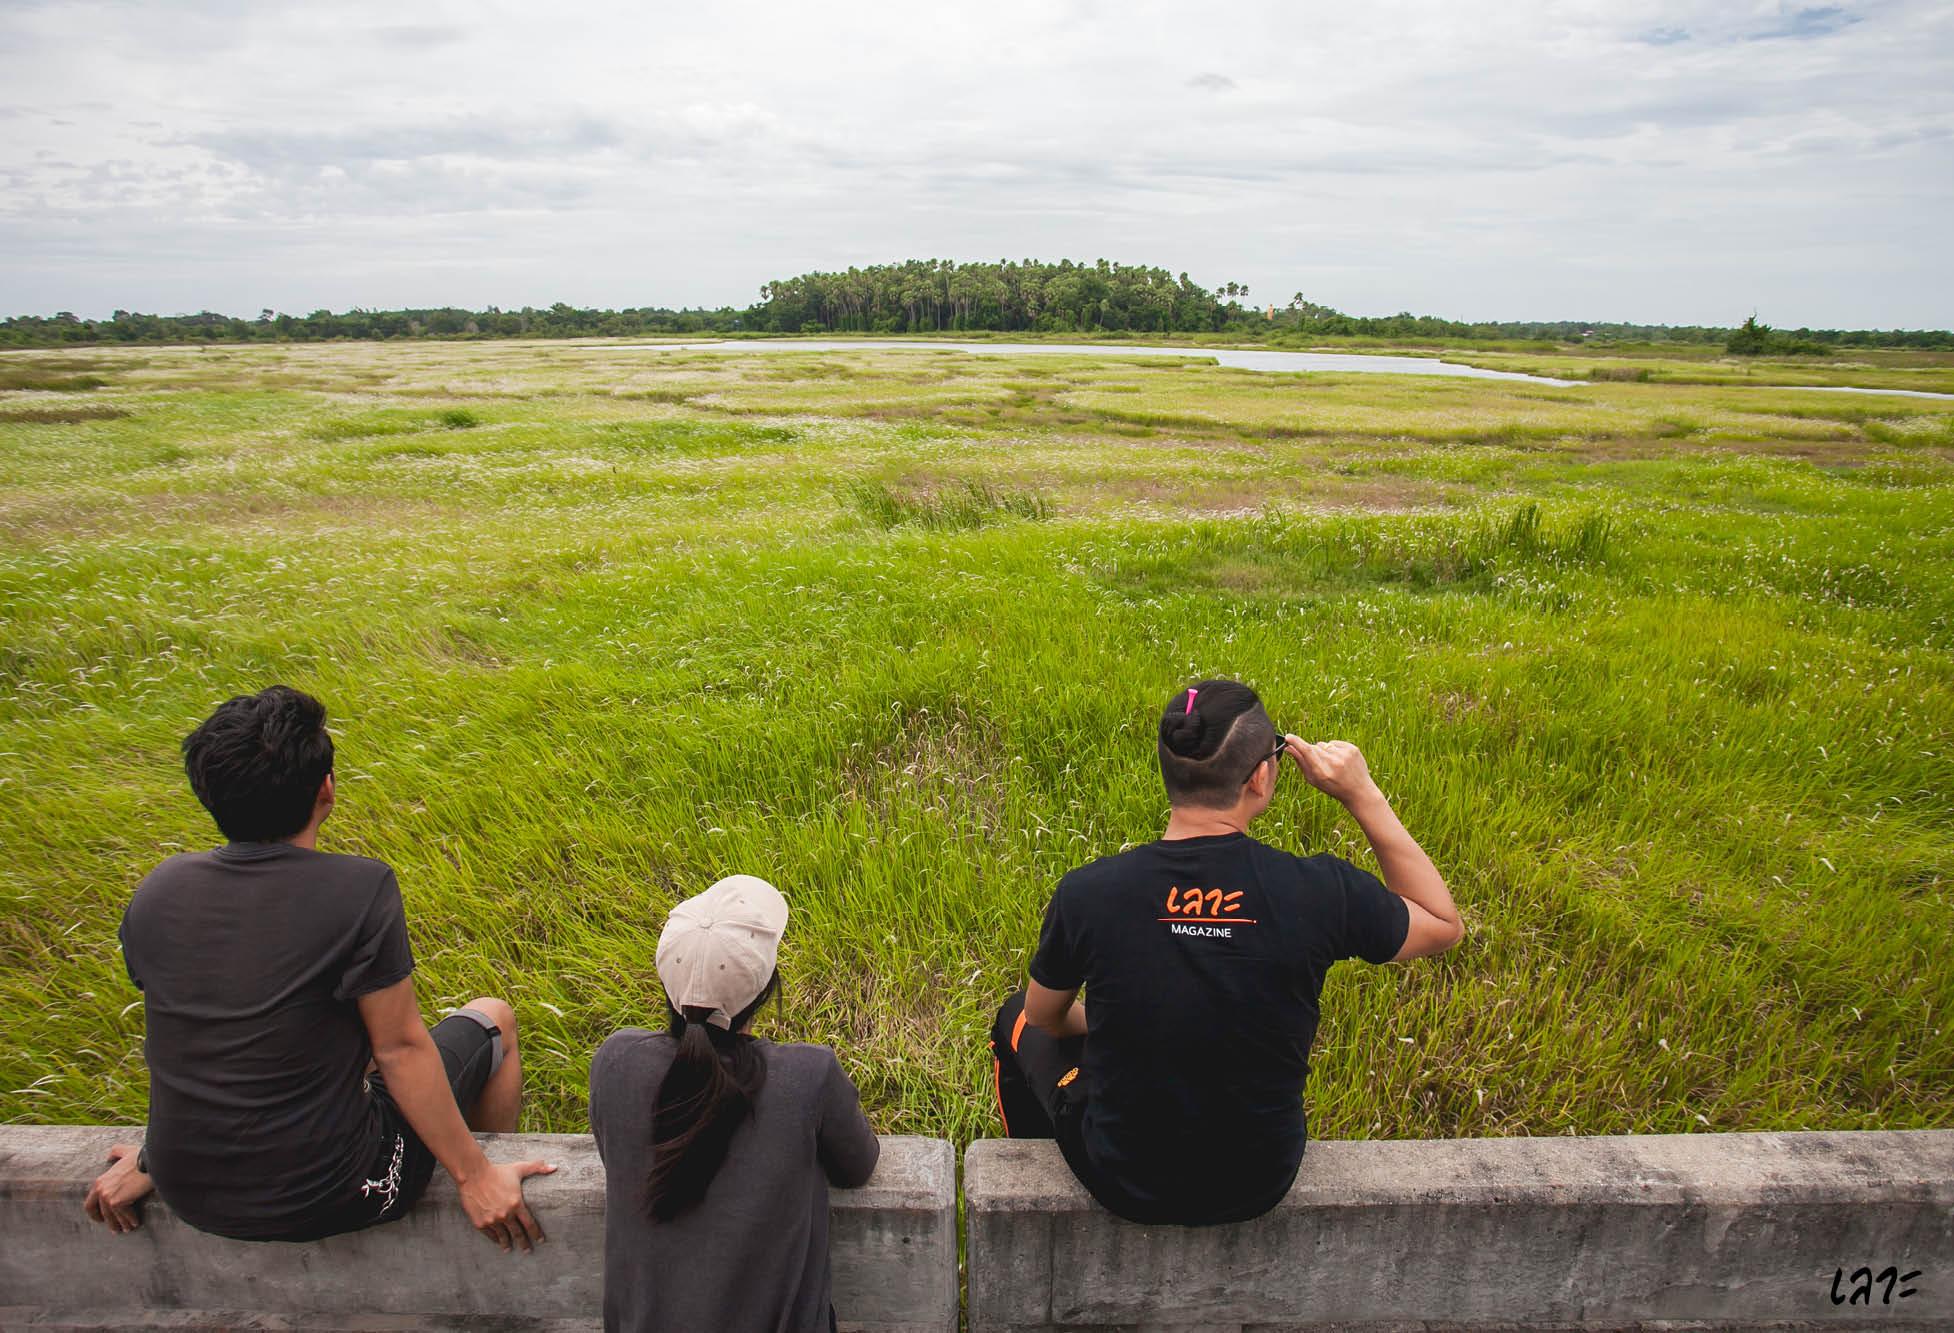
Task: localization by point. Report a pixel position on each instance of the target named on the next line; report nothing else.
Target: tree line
(558, 321)
(943, 296)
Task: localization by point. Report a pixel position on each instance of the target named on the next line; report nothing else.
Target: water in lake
(1237, 357)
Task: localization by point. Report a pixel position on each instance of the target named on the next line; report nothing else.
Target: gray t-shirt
(252, 960)
(753, 1254)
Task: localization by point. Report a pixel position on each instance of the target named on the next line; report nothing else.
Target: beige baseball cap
(719, 948)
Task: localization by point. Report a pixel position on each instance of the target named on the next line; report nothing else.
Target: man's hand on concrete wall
(494, 1203)
(117, 1194)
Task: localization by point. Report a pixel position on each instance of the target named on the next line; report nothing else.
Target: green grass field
(1660, 673)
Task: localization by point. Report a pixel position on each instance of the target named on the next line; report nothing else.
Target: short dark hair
(257, 762)
(1211, 735)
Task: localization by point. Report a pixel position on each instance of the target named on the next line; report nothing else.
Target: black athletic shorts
(1039, 1092)
(1040, 1095)
(471, 1051)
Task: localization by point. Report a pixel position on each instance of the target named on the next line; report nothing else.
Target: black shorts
(471, 1051)
(1040, 1094)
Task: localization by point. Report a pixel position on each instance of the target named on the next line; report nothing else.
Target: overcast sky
(1673, 162)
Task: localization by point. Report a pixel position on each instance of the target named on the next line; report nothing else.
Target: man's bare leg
(499, 1108)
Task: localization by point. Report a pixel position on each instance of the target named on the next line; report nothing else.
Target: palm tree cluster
(934, 295)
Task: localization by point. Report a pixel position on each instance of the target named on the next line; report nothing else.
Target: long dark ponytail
(712, 1086)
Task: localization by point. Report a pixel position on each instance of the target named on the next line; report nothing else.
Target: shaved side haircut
(1212, 735)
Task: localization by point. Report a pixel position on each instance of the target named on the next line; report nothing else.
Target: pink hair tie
(1190, 701)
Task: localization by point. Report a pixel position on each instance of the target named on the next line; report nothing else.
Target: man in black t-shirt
(1176, 1096)
(294, 1091)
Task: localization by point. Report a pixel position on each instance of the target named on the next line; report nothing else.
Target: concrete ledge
(893, 1245)
(1695, 1231)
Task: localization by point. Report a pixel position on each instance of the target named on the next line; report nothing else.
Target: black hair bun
(1199, 732)
(1184, 732)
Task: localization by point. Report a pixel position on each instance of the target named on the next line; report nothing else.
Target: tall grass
(958, 507)
(1672, 714)
(1582, 540)
(16, 378)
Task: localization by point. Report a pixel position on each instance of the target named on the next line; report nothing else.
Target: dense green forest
(942, 296)
(558, 321)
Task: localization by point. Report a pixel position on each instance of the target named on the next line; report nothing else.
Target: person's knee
(1006, 1020)
(502, 1015)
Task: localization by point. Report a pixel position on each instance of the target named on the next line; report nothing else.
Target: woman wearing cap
(719, 1146)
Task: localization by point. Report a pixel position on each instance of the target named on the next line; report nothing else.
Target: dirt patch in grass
(1382, 495)
(947, 761)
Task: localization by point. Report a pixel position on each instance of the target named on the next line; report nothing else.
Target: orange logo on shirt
(1205, 905)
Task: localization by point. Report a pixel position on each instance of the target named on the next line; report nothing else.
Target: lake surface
(1336, 362)
(1238, 358)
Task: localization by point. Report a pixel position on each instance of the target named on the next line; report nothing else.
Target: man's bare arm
(491, 1192)
(1337, 768)
(1059, 1013)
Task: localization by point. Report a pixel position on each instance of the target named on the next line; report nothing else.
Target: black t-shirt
(1202, 961)
(250, 960)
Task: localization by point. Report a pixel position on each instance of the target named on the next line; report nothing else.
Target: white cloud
(1689, 162)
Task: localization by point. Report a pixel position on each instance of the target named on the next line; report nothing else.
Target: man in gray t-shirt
(295, 1091)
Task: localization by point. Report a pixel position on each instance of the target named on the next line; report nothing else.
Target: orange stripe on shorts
(1017, 1029)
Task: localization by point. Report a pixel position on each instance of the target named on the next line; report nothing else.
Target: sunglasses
(1282, 745)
